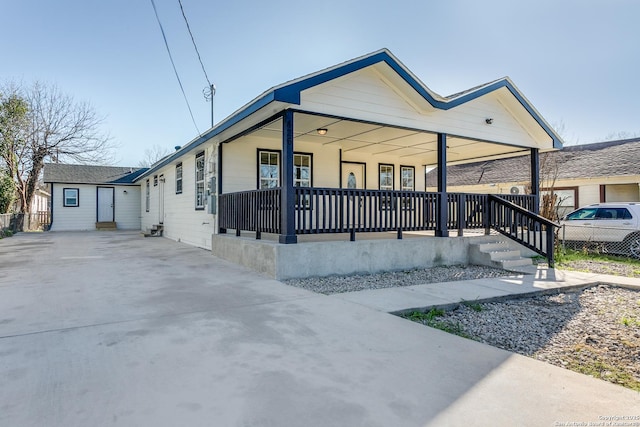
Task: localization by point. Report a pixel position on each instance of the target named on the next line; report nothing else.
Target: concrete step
(111, 225)
(498, 254)
(154, 231)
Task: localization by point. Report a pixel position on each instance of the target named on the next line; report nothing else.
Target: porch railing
(527, 228)
(335, 210)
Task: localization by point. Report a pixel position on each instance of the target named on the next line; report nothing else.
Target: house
(342, 153)
(580, 175)
(90, 197)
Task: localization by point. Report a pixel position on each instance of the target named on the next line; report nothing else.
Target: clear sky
(577, 61)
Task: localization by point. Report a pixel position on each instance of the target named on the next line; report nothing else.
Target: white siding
(182, 222)
(240, 160)
(369, 96)
(127, 207)
(83, 217)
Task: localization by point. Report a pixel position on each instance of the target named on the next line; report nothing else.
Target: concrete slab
(114, 329)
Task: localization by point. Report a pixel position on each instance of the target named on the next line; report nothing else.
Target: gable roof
(610, 158)
(87, 174)
(289, 93)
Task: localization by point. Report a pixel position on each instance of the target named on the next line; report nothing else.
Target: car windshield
(584, 213)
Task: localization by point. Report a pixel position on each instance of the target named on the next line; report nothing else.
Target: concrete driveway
(109, 328)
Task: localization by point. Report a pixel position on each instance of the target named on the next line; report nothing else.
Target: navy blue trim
(290, 94)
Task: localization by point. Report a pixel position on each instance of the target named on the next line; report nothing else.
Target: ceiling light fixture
(321, 131)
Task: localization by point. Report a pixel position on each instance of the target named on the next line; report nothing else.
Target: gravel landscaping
(359, 282)
(595, 331)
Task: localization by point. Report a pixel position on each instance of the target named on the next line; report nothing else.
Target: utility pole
(209, 93)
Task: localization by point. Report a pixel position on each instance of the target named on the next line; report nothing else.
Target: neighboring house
(89, 197)
(580, 175)
(41, 200)
(342, 150)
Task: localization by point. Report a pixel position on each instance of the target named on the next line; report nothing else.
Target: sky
(576, 61)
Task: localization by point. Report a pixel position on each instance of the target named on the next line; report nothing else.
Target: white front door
(105, 204)
(353, 175)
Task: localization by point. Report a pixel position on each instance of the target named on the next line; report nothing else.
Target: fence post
(462, 204)
(550, 246)
(488, 216)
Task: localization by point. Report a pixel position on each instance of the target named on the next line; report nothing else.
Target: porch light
(488, 121)
(321, 131)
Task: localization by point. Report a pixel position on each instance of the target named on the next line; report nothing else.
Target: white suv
(614, 226)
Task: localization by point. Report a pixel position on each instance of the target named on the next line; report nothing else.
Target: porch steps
(499, 254)
(154, 231)
(106, 226)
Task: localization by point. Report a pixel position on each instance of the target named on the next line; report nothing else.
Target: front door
(105, 204)
(353, 178)
(353, 175)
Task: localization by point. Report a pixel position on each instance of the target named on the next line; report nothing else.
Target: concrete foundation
(325, 258)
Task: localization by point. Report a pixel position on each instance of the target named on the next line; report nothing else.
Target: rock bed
(339, 284)
(595, 331)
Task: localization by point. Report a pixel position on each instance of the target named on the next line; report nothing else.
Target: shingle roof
(85, 174)
(611, 158)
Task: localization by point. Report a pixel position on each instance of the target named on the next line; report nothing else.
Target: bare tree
(53, 127)
(152, 155)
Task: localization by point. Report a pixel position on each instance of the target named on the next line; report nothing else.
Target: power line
(210, 91)
(164, 37)
(194, 43)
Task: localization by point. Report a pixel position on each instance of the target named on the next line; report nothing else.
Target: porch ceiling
(369, 139)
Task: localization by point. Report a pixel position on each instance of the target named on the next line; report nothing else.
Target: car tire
(632, 245)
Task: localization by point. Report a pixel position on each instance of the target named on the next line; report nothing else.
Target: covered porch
(345, 151)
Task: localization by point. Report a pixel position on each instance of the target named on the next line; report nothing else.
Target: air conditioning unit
(517, 190)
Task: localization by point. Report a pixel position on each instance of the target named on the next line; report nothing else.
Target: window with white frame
(147, 195)
(179, 178)
(302, 170)
(71, 197)
(155, 180)
(385, 183)
(407, 178)
(386, 177)
(200, 181)
(269, 169)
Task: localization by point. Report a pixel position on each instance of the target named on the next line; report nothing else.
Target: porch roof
(289, 95)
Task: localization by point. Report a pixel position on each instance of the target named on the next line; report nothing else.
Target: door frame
(113, 203)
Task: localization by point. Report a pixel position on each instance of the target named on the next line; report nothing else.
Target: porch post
(219, 184)
(441, 213)
(535, 178)
(287, 193)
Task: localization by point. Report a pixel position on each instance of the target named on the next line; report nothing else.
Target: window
(386, 183)
(71, 197)
(155, 180)
(147, 195)
(386, 177)
(269, 169)
(613, 213)
(407, 174)
(584, 213)
(200, 181)
(179, 178)
(302, 170)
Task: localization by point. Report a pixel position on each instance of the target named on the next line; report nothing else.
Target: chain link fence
(601, 239)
